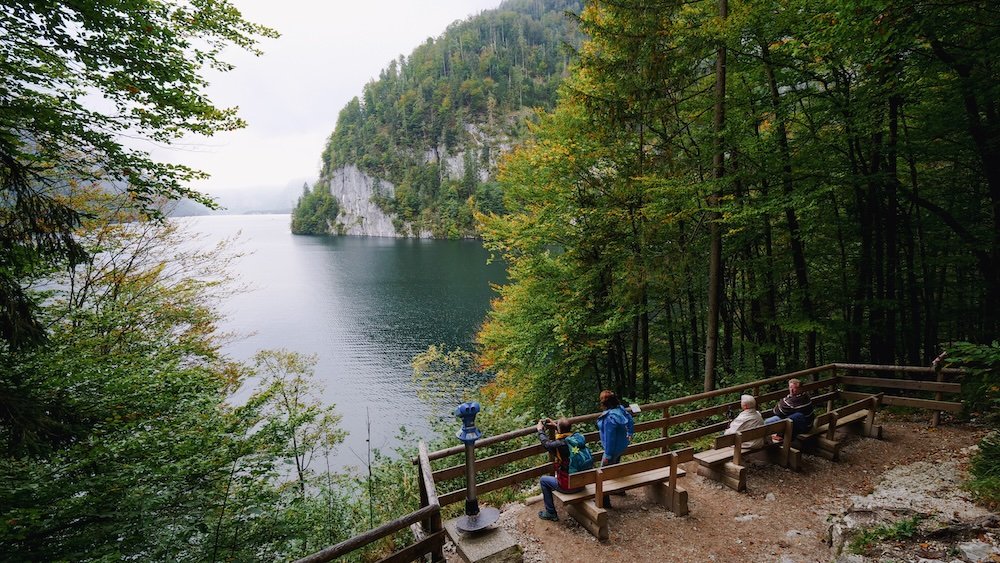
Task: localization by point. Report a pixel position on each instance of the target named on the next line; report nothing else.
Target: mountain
(416, 153)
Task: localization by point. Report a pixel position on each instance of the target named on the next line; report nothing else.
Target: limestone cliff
(357, 194)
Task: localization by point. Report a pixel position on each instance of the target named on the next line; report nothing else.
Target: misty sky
(291, 95)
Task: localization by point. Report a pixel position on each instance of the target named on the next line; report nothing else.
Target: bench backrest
(870, 403)
(630, 468)
(738, 439)
(751, 434)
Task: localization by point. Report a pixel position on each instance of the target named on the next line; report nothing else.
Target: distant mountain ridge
(416, 153)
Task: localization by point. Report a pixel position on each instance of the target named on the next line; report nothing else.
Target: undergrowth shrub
(981, 397)
(981, 385)
(985, 472)
(902, 529)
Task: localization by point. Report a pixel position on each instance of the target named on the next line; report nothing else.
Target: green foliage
(119, 437)
(984, 471)
(981, 396)
(315, 212)
(981, 384)
(294, 416)
(858, 202)
(78, 76)
(904, 529)
(462, 93)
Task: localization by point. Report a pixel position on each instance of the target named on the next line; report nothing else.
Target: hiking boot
(546, 515)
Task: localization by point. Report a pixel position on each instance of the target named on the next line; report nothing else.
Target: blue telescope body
(467, 412)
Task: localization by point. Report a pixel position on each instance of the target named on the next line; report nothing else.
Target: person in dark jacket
(796, 406)
(560, 449)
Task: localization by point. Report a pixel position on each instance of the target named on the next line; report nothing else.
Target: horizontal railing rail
(826, 386)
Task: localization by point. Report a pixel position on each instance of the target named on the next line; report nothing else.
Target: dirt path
(784, 516)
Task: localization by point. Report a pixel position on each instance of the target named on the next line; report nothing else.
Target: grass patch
(903, 529)
(984, 472)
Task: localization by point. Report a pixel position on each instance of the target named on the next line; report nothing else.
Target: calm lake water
(365, 306)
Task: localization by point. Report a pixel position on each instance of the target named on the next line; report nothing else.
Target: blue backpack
(580, 458)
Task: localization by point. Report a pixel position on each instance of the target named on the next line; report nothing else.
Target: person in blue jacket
(616, 427)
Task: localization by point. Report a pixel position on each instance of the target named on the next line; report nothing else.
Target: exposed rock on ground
(928, 495)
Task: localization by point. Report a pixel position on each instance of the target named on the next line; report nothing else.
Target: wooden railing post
(666, 429)
(829, 402)
(936, 415)
(738, 449)
(424, 524)
(428, 494)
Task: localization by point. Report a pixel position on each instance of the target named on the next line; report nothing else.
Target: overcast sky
(291, 95)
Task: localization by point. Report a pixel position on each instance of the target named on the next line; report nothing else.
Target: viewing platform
(780, 508)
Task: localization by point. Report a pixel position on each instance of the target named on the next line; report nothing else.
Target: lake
(364, 305)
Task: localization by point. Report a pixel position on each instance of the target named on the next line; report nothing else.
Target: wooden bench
(724, 463)
(859, 414)
(658, 473)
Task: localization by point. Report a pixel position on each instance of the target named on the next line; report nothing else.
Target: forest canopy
(731, 189)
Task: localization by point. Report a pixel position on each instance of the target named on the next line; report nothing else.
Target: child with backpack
(571, 455)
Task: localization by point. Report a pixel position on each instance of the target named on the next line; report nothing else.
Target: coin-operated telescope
(475, 519)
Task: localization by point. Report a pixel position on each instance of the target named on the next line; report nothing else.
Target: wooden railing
(425, 523)
(683, 414)
(680, 413)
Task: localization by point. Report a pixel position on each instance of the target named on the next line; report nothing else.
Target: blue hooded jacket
(615, 425)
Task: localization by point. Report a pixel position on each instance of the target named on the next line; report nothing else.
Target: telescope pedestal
(493, 545)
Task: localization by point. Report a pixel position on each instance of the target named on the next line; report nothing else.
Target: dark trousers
(548, 483)
(800, 422)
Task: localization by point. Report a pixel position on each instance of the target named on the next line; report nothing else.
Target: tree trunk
(791, 218)
(715, 252)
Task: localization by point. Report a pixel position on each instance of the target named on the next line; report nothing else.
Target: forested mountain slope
(426, 134)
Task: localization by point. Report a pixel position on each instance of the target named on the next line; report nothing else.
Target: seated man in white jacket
(748, 418)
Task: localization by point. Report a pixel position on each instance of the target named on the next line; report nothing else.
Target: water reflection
(365, 306)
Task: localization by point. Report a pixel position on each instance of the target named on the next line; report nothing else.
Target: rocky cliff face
(357, 192)
(359, 215)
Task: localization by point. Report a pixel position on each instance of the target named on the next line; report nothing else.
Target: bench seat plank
(847, 419)
(712, 457)
(620, 484)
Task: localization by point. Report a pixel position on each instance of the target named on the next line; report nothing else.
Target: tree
(315, 212)
(77, 78)
(297, 420)
(121, 438)
(849, 189)
(454, 96)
